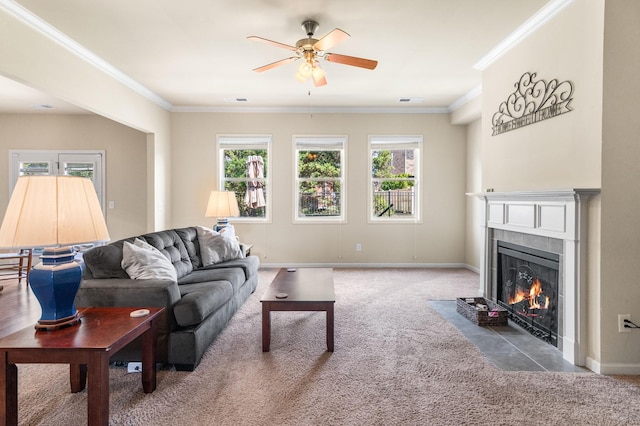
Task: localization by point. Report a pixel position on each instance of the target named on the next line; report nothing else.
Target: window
(244, 169)
(394, 162)
(89, 164)
(319, 178)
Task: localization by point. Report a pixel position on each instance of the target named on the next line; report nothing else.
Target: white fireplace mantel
(560, 214)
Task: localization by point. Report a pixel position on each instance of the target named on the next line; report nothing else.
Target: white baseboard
(366, 265)
(613, 368)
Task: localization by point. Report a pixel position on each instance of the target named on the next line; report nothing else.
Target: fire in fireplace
(528, 288)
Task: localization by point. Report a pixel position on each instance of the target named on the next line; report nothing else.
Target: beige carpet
(396, 362)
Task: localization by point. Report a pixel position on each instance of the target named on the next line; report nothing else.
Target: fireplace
(539, 235)
(527, 288)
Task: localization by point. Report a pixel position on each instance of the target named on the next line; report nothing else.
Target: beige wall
(125, 152)
(38, 61)
(620, 292)
(562, 152)
(438, 240)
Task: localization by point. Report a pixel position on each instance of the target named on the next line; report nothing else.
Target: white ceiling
(195, 55)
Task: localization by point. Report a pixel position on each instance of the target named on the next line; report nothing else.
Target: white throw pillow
(215, 247)
(142, 261)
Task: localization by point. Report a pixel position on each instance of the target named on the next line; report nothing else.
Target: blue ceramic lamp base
(55, 282)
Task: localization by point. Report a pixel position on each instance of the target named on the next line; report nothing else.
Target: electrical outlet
(621, 318)
(358, 247)
(134, 367)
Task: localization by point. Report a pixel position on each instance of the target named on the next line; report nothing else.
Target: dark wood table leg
(149, 343)
(8, 392)
(266, 326)
(78, 377)
(98, 389)
(330, 327)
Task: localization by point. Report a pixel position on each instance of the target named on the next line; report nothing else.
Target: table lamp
(54, 212)
(222, 204)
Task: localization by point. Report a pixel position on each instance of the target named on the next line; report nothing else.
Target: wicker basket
(494, 315)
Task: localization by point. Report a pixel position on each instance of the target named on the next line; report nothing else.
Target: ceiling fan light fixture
(318, 76)
(310, 49)
(304, 71)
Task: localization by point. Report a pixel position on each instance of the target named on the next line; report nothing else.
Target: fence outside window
(320, 204)
(396, 202)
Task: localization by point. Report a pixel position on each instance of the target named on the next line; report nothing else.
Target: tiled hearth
(554, 221)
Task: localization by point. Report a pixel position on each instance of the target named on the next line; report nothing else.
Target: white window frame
(56, 160)
(247, 142)
(384, 142)
(320, 142)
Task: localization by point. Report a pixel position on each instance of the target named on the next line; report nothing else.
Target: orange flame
(531, 296)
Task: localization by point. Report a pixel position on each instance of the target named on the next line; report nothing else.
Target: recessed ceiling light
(410, 100)
(236, 100)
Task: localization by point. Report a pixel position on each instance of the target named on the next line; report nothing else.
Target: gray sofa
(198, 305)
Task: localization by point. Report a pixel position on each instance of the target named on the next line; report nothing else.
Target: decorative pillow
(142, 261)
(215, 247)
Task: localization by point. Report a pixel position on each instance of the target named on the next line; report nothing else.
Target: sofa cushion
(216, 248)
(170, 244)
(249, 265)
(189, 238)
(143, 261)
(197, 305)
(233, 275)
(106, 261)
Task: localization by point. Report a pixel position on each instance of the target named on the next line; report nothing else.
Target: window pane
(248, 200)
(34, 168)
(392, 163)
(319, 164)
(388, 202)
(235, 162)
(79, 169)
(319, 198)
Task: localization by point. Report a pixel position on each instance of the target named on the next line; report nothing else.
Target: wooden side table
(16, 265)
(86, 347)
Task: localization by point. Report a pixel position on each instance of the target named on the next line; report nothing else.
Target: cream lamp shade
(49, 212)
(46, 211)
(222, 204)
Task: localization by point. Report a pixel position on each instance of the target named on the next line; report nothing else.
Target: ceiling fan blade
(334, 37)
(275, 64)
(274, 43)
(351, 60)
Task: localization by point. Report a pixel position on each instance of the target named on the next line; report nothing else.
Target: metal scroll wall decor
(531, 102)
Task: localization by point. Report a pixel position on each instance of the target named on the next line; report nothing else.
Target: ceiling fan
(311, 50)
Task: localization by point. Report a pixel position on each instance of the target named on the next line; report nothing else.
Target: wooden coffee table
(86, 347)
(306, 289)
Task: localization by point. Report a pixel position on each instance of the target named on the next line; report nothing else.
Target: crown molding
(25, 16)
(544, 15)
(467, 97)
(314, 110)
